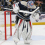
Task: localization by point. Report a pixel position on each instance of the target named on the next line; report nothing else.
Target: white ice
(38, 36)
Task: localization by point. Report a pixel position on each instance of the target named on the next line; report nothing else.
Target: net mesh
(3, 33)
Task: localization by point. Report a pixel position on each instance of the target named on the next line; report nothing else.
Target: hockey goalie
(24, 9)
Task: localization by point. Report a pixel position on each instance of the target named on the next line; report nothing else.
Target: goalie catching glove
(36, 16)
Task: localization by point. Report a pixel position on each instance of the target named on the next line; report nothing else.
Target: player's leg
(16, 35)
(28, 36)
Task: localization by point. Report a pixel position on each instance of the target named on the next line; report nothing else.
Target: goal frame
(5, 24)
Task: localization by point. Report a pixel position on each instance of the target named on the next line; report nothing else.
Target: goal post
(5, 24)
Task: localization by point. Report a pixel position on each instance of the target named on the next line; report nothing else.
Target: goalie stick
(25, 11)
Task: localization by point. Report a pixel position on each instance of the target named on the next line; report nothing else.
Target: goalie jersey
(23, 6)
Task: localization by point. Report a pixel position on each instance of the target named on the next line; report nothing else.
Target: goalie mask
(30, 5)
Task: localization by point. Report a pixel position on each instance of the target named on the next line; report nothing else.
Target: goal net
(5, 25)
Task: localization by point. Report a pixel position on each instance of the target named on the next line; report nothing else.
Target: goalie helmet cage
(5, 24)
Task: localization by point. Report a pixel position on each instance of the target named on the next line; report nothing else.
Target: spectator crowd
(9, 3)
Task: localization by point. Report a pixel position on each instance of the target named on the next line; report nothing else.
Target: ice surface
(41, 42)
(7, 43)
(38, 36)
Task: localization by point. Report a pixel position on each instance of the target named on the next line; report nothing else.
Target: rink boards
(40, 22)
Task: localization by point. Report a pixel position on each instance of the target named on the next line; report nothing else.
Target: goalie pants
(17, 19)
